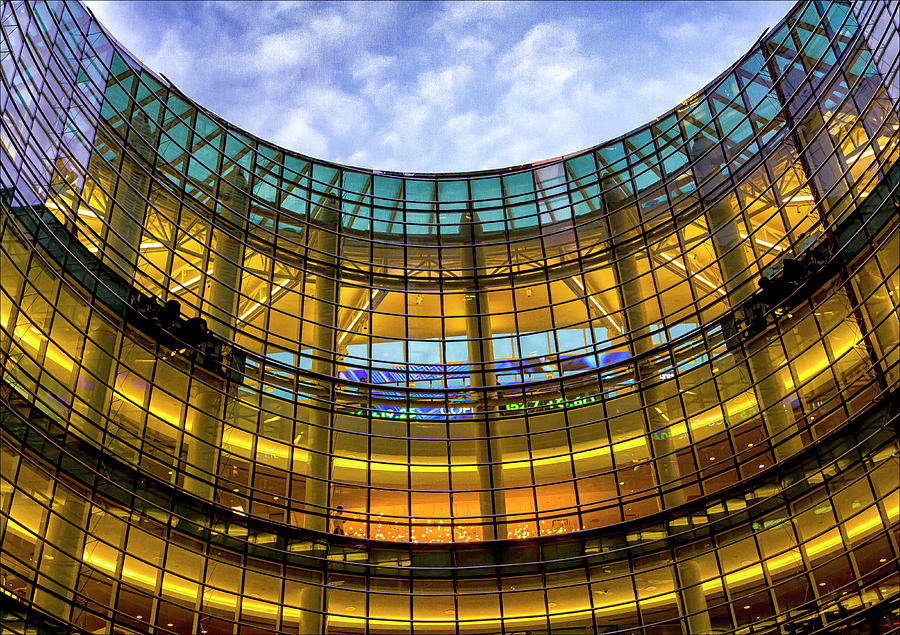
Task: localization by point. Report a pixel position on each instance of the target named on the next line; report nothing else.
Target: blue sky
(438, 86)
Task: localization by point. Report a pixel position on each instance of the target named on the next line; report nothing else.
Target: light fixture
(695, 275)
(187, 283)
(593, 301)
(358, 315)
(764, 243)
(256, 305)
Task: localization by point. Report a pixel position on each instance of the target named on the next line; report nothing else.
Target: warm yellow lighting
(812, 370)
(187, 283)
(764, 243)
(358, 315)
(257, 305)
(695, 275)
(866, 154)
(33, 338)
(595, 303)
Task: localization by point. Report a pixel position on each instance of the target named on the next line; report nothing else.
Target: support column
(318, 438)
(123, 239)
(61, 556)
(771, 378)
(690, 592)
(222, 306)
(312, 607)
(491, 497)
(126, 220)
(815, 151)
(64, 541)
(319, 431)
(818, 158)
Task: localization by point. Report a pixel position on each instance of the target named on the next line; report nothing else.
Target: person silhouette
(338, 520)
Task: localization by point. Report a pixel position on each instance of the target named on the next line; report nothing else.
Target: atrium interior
(649, 387)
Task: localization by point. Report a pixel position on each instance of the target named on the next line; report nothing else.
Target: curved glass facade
(647, 387)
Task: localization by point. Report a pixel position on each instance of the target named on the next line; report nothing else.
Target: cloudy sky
(438, 87)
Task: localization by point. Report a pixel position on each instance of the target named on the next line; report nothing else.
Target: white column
(221, 305)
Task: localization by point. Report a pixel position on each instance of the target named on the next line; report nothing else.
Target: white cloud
(173, 58)
(372, 66)
(449, 86)
(297, 132)
(279, 50)
(443, 87)
(473, 47)
(683, 32)
(304, 45)
(339, 111)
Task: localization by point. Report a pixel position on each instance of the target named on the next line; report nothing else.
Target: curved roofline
(709, 86)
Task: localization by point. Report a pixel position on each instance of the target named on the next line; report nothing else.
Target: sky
(438, 87)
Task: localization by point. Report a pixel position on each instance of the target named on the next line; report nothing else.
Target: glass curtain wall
(576, 356)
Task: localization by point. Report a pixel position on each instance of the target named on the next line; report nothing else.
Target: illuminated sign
(548, 404)
(441, 372)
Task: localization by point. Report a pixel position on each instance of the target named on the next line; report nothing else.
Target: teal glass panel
(451, 200)
(295, 170)
(519, 198)
(582, 167)
(863, 66)
(204, 127)
(419, 195)
(645, 173)
(150, 95)
(671, 145)
(265, 191)
(324, 180)
(115, 103)
(585, 191)
(118, 65)
(487, 202)
(641, 143)
(356, 201)
(386, 191)
(452, 194)
(842, 20)
(173, 141)
(203, 161)
(698, 121)
(295, 203)
(612, 161)
(269, 153)
(355, 185)
(176, 109)
(519, 191)
(419, 223)
(522, 216)
(809, 17)
(238, 150)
